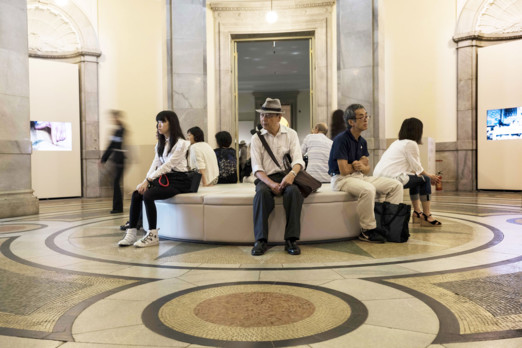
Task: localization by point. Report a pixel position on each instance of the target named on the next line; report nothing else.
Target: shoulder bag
(304, 181)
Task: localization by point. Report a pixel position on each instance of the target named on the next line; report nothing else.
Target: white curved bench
(223, 214)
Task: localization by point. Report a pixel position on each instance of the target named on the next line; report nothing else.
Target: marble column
(16, 194)
(188, 78)
(466, 116)
(360, 64)
(92, 185)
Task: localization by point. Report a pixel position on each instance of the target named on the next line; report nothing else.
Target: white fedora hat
(271, 106)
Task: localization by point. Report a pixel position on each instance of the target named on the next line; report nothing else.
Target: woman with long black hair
(166, 178)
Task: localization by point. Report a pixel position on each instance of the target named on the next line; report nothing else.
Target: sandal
(416, 217)
(425, 222)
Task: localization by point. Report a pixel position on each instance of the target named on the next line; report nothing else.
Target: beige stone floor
(65, 283)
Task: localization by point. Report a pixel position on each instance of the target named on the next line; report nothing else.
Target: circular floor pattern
(516, 221)
(13, 228)
(267, 313)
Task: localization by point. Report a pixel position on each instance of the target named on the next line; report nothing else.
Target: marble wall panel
(464, 122)
(12, 15)
(18, 204)
(353, 16)
(16, 171)
(189, 76)
(91, 178)
(17, 82)
(15, 146)
(190, 91)
(91, 136)
(356, 84)
(188, 19)
(464, 97)
(465, 63)
(188, 57)
(89, 77)
(14, 117)
(356, 50)
(4, 61)
(190, 117)
(466, 180)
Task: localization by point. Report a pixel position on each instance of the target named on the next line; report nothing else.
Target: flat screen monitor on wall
(51, 136)
(504, 124)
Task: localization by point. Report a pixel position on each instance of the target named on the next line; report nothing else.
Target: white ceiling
(281, 65)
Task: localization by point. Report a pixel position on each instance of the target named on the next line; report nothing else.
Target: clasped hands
(278, 188)
(361, 164)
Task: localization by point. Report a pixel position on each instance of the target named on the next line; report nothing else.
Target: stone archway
(65, 34)
(229, 21)
(480, 24)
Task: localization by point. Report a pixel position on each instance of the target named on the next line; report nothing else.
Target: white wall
(420, 66)
(55, 97)
(499, 86)
(131, 69)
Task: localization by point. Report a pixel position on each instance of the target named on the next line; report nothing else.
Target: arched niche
(481, 23)
(64, 33)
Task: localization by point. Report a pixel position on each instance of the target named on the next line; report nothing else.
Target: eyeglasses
(268, 115)
(367, 117)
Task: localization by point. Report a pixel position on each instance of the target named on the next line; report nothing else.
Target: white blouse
(175, 160)
(401, 159)
(202, 156)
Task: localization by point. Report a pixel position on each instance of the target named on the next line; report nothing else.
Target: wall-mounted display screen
(51, 136)
(504, 123)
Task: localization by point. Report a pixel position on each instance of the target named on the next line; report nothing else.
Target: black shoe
(372, 236)
(259, 248)
(116, 211)
(291, 247)
(125, 226)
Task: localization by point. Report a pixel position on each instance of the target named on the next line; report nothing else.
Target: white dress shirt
(175, 160)
(318, 147)
(401, 159)
(202, 156)
(285, 141)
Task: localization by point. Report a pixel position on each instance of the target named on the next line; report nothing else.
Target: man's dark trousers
(264, 204)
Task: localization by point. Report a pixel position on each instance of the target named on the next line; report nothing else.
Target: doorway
(275, 67)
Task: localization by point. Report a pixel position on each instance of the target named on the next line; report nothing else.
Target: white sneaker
(150, 239)
(130, 237)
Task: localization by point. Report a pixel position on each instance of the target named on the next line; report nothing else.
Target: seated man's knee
(263, 191)
(292, 190)
(368, 191)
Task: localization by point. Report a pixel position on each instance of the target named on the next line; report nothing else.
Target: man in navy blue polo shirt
(349, 166)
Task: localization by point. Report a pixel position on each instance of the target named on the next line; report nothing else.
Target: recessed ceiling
(280, 65)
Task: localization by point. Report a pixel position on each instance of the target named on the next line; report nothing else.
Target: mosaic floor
(65, 283)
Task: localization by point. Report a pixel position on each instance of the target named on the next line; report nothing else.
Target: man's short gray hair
(349, 113)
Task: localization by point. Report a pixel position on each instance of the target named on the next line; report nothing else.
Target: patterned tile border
(62, 326)
(498, 236)
(6, 228)
(450, 329)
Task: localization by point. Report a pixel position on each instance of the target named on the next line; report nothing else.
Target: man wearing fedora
(272, 180)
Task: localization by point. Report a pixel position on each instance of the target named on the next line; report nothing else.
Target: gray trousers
(264, 204)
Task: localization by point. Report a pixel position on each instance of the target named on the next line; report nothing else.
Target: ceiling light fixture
(271, 16)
